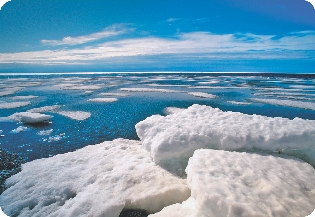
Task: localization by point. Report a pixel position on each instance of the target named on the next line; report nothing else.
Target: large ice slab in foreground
(173, 139)
(243, 184)
(98, 180)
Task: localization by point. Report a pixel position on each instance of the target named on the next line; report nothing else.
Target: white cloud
(312, 2)
(113, 30)
(2, 2)
(188, 45)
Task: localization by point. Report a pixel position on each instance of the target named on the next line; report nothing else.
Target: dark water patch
(133, 213)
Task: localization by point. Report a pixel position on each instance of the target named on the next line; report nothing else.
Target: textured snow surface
(243, 184)
(149, 90)
(29, 117)
(75, 115)
(202, 95)
(103, 100)
(172, 110)
(10, 91)
(19, 129)
(171, 140)
(98, 180)
(10, 105)
(23, 97)
(291, 103)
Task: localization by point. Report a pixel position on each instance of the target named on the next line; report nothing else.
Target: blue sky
(157, 35)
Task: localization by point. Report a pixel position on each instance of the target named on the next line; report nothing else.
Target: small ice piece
(75, 115)
(52, 108)
(209, 82)
(114, 94)
(168, 85)
(88, 92)
(83, 87)
(291, 103)
(172, 139)
(136, 89)
(97, 180)
(23, 97)
(19, 129)
(10, 91)
(246, 184)
(239, 103)
(29, 117)
(45, 132)
(202, 95)
(102, 100)
(10, 105)
(172, 110)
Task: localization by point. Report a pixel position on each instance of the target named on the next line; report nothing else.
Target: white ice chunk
(136, 89)
(45, 132)
(29, 117)
(114, 94)
(312, 214)
(103, 100)
(209, 82)
(202, 95)
(291, 103)
(239, 103)
(23, 97)
(168, 85)
(76, 115)
(52, 108)
(172, 110)
(10, 105)
(97, 180)
(171, 140)
(19, 129)
(243, 184)
(10, 91)
(83, 87)
(185, 209)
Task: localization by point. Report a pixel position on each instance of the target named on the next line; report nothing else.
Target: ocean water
(273, 95)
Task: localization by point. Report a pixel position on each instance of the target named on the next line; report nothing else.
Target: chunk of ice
(202, 95)
(171, 140)
(291, 103)
(149, 90)
(10, 105)
(97, 180)
(103, 100)
(76, 115)
(52, 108)
(29, 117)
(243, 184)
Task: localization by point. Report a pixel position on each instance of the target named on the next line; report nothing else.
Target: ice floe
(44, 132)
(291, 103)
(103, 100)
(76, 115)
(114, 94)
(10, 105)
(250, 184)
(172, 110)
(202, 95)
(239, 103)
(172, 139)
(52, 108)
(23, 97)
(97, 180)
(19, 129)
(29, 117)
(136, 89)
(10, 91)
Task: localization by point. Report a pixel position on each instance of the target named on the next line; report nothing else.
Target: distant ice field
(81, 117)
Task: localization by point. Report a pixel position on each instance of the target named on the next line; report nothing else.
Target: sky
(157, 35)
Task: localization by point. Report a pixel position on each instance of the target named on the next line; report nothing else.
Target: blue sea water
(110, 120)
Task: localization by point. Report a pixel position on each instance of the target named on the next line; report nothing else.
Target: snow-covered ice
(76, 115)
(97, 180)
(23, 97)
(29, 117)
(10, 105)
(172, 139)
(172, 110)
(291, 103)
(202, 95)
(19, 129)
(136, 89)
(10, 91)
(52, 108)
(114, 94)
(103, 100)
(44, 132)
(244, 184)
(239, 103)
